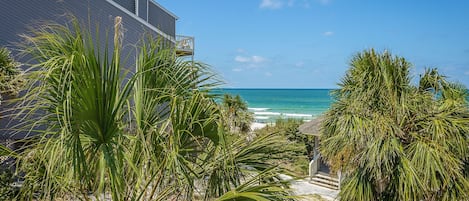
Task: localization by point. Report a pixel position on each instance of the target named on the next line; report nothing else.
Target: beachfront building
(138, 17)
(319, 172)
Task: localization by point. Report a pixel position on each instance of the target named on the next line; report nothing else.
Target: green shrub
(7, 191)
(10, 74)
(301, 145)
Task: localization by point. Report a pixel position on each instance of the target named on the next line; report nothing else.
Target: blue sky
(308, 43)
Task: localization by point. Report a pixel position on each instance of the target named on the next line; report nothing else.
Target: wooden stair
(325, 180)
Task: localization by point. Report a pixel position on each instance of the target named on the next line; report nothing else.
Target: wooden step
(327, 174)
(325, 185)
(318, 179)
(325, 180)
(326, 177)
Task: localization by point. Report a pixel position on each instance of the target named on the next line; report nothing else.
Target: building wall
(128, 4)
(153, 13)
(16, 16)
(161, 19)
(142, 9)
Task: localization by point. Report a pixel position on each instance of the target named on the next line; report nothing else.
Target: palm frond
(394, 140)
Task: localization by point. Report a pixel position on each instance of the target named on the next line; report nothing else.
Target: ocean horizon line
(270, 104)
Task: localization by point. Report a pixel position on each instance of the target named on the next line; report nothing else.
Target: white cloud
(300, 64)
(242, 59)
(278, 4)
(271, 4)
(250, 59)
(328, 33)
(237, 69)
(466, 73)
(268, 74)
(257, 59)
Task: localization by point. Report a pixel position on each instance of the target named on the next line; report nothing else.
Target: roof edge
(133, 15)
(163, 8)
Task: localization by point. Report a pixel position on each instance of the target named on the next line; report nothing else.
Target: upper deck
(184, 45)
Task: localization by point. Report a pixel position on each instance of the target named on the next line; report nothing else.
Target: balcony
(184, 45)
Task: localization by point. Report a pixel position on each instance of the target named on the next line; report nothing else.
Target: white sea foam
(268, 113)
(282, 114)
(261, 117)
(258, 109)
(297, 115)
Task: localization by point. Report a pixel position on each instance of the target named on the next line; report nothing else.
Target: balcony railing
(184, 45)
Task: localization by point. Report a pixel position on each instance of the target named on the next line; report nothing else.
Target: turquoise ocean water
(270, 104)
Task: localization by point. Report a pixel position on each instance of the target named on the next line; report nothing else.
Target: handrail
(339, 174)
(314, 166)
(185, 44)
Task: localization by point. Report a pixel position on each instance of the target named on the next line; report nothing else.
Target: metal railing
(339, 175)
(314, 166)
(184, 45)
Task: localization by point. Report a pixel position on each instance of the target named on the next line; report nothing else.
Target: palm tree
(152, 135)
(396, 141)
(236, 112)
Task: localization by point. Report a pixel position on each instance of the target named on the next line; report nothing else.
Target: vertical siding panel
(16, 16)
(142, 9)
(161, 19)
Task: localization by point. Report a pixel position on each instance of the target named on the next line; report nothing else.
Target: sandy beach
(255, 125)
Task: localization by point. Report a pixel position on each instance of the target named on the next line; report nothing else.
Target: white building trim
(158, 31)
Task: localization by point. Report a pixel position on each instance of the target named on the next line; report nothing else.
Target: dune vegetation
(11, 80)
(395, 140)
(99, 129)
(102, 128)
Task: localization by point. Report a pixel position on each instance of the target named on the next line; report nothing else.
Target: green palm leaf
(394, 140)
(102, 132)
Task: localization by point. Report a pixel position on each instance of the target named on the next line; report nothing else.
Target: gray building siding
(127, 4)
(16, 16)
(142, 9)
(161, 19)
